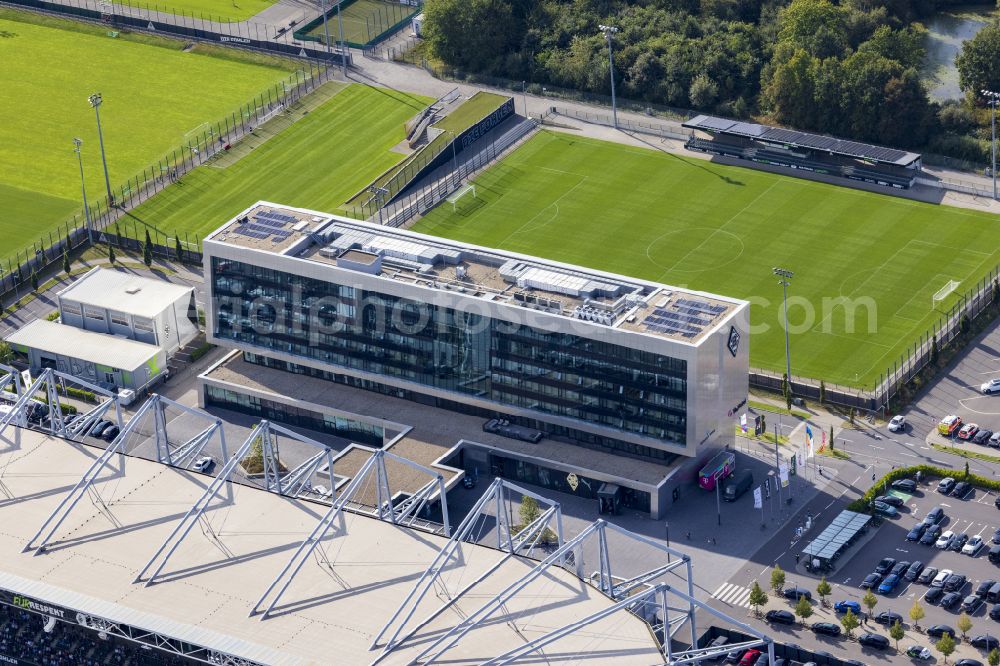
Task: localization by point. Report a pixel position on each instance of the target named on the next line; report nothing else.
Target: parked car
(750, 658)
(913, 571)
(994, 440)
(918, 652)
(996, 536)
(982, 437)
(944, 540)
(891, 500)
(939, 630)
(874, 641)
(954, 583)
(927, 575)
(935, 515)
(941, 577)
(203, 464)
(100, 427)
(968, 662)
(973, 545)
(971, 603)
(985, 642)
(992, 386)
(946, 485)
(995, 612)
(900, 568)
(889, 584)
(888, 618)
(885, 509)
(870, 581)
(780, 616)
(958, 542)
(109, 433)
(897, 423)
(961, 489)
(968, 431)
(844, 606)
(796, 593)
(931, 535)
(916, 532)
(826, 628)
(996, 502)
(885, 565)
(905, 485)
(933, 595)
(983, 588)
(949, 425)
(950, 599)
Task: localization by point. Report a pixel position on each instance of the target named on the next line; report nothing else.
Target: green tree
(777, 579)
(849, 621)
(67, 264)
(822, 392)
(786, 390)
(111, 254)
(472, 34)
(147, 251)
(831, 438)
(803, 609)
(758, 597)
(823, 589)
(979, 61)
(6, 353)
(896, 633)
(34, 281)
(178, 249)
(917, 614)
(964, 623)
(869, 601)
(946, 646)
(704, 92)
(934, 350)
(967, 473)
(529, 510)
(993, 658)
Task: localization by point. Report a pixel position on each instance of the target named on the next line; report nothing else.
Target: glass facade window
(545, 372)
(356, 431)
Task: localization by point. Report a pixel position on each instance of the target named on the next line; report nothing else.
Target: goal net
(943, 292)
(459, 193)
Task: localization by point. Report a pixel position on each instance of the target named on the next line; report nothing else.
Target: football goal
(459, 193)
(943, 292)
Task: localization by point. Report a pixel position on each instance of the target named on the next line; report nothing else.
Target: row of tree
(849, 68)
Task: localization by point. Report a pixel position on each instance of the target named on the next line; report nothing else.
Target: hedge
(863, 504)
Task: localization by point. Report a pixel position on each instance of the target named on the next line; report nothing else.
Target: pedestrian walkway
(733, 595)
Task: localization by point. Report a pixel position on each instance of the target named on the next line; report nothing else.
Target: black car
(109, 434)
(939, 630)
(950, 600)
(984, 587)
(914, 571)
(875, 641)
(906, 485)
(796, 593)
(927, 575)
(968, 662)
(931, 535)
(885, 565)
(933, 595)
(985, 642)
(996, 534)
(916, 532)
(100, 427)
(961, 488)
(900, 568)
(954, 582)
(982, 437)
(995, 612)
(762, 660)
(780, 617)
(958, 541)
(971, 603)
(888, 618)
(826, 628)
(934, 516)
(891, 500)
(870, 581)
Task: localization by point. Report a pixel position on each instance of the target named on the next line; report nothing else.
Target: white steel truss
(386, 510)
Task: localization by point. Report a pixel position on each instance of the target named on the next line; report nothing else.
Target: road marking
(908, 455)
(947, 505)
(733, 595)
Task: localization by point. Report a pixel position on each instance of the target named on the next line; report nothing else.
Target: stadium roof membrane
(796, 139)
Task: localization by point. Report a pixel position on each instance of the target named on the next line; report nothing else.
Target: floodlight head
(608, 29)
(95, 99)
(77, 143)
(783, 272)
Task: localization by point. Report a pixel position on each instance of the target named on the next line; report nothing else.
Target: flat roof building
(601, 361)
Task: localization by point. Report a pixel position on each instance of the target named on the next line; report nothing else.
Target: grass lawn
(318, 161)
(685, 221)
(363, 21)
(153, 92)
(216, 10)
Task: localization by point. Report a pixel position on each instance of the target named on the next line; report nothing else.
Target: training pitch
(215, 10)
(685, 221)
(152, 96)
(316, 157)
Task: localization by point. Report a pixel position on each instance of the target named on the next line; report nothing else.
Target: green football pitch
(216, 10)
(153, 93)
(685, 221)
(329, 152)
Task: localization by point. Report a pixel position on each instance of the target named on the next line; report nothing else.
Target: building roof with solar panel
(493, 276)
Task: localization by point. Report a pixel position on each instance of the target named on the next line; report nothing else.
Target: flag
(809, 438)
(758, 501)
(767, 487)
(783, 474)
(743, 423)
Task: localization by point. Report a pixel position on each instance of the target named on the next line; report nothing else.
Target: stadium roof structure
(795, 139)
(340, 602)
(839, 534)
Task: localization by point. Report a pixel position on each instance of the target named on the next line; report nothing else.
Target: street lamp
(343, 44)
(95, 101)
(993, 99)
(83, 185)
(608, 31)
(785, 276)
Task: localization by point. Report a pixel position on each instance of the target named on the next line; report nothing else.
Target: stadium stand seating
(22, 637)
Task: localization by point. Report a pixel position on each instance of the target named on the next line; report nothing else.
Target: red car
(968, 431)
(750, 658)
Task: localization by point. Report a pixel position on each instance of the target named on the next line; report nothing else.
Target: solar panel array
(839, 534)
(686, 317)
(803, 139)
(266, 225)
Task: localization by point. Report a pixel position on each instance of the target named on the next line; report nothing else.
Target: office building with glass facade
(607, 362)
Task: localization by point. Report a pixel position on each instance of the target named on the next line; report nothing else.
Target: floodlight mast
(785, 276)
(608, 31)
(95, 101)
(83, 185)
(993, 100)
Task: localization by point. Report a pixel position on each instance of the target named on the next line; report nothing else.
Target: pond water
(945, 33)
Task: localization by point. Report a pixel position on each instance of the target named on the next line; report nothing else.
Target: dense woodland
(849, 69)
